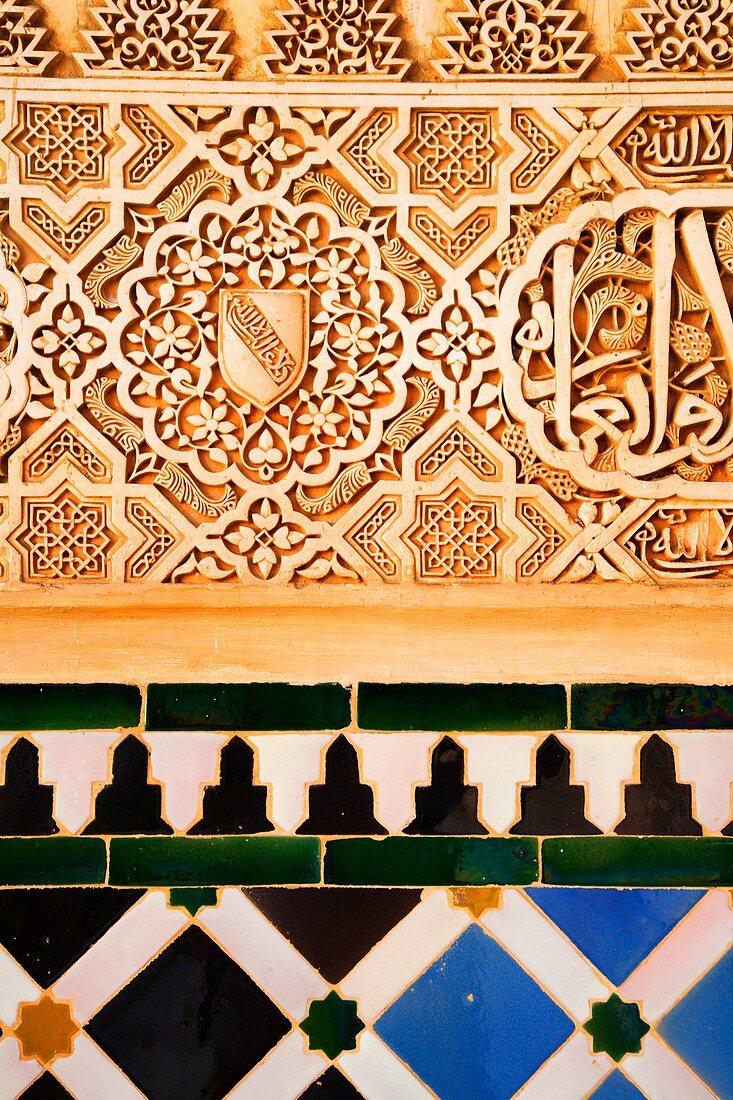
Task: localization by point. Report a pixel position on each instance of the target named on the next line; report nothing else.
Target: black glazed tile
(48, 930)
(69, 706)
(331, 1085)
(448, 806)
(658, 805)
(248, 707)
(343, 805)
(129, 805)
(553, 806)
(236, 804)
(26, 805)
(190, 1025)
(457, 707)
(651, 707)
(46, 1087)
(333, 927)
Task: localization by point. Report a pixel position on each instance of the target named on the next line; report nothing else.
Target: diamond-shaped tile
(190, 1025)
(617, 1087)
(334, 927)
(46, 1087)
(615, 929)
(700, 1027)
(502, 1025)
(331, 1085)
(48, 930)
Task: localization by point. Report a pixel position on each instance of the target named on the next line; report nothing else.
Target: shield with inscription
(263, 345)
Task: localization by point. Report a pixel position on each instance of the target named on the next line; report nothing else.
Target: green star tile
(332, 1025)
(616, 1027)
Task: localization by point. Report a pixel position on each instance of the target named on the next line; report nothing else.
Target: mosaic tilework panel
(345, 993)
(280, 891)
(368, 759)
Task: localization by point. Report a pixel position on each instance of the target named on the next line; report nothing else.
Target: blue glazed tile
(617, 1087)
(700, 1028)
(502, 1025)
(615, 929)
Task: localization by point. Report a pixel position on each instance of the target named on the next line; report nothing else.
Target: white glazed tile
(379, 1074)
(5, 739)
(270, 960)
(121, 952)
(573, 1072)
(662, 1075)
(90, 1075)
(546, 954)
(74, 763)
(499, 765)
(288, 763)
(603, 762)
(285, 1073)
(397, 960)
(690, 949)
(705, 758)
(184, 763)
(15, 987)
(394, 764)
(16, 1073)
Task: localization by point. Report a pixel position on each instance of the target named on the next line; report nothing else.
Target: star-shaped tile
(45, 1029)
(616, 1027)
(332, 1025)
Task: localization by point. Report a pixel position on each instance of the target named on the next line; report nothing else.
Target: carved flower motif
(265, 538)
(263, 148)
(210, 424)
(458, 344)
(193, 265)
(335, 267)
(266, 456)
(170, 340)
(320, 419)
(68, 339)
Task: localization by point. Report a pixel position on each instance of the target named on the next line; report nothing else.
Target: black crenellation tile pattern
(131, 803)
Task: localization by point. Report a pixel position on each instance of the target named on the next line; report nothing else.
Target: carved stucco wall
(355, 292)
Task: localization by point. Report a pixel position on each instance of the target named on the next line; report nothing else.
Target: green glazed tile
(248, 707)
(638, 861)
(69, 706)
(651, 707)
(431, 861)
(52, 861)
(332, 1025)
(214, 861)
(462, 707)
(192, 898)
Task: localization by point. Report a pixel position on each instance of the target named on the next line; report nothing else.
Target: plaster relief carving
(360, 329)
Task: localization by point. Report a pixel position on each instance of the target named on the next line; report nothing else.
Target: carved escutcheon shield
(263, 345)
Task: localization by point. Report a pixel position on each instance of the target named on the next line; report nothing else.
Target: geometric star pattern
(444, 1004)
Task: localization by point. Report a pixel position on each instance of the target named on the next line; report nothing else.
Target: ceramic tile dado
(606, 990)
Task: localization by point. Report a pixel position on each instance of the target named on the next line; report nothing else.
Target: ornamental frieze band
(369, 294)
